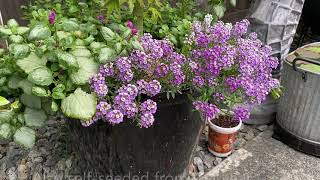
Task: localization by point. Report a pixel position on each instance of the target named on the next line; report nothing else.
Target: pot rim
(223, 130)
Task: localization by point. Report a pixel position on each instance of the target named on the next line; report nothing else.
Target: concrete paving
(266, 158)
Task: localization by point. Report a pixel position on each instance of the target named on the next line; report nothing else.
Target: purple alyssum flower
(146, 120)
(149, 106)
(241, 114)
(114, 117)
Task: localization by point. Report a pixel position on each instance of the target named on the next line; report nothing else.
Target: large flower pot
(165, 149)
(221, 140)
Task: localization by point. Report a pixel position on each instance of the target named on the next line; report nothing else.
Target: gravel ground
(51, 158)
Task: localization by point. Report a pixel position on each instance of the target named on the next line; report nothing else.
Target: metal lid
(310, 52)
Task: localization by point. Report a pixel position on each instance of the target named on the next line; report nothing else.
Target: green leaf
(15, 105)
(41, 76)
(87, 68)
(12, 23)
(94, 46)
(3, 101)
(39, 32)
(16, 39)
(70, 25)
(59, 88)
(233, 2)
(31, 101)
(21, 118)
(35, 117)
(137, 45)
(22, 30)
(25, 136)
(107, 34)
(106, 55)
(19, 50)
(31, 63)
(79, 105)
(3, 80)
(6, 131)
(81, 52)
(26, 86)
(6, 116)
(2, 51)
(54, 106)
(67, 60)
(58, 95)
(39, 91)
(5, 32)
(219, 10)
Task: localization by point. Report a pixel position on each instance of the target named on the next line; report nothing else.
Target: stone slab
(266, 158)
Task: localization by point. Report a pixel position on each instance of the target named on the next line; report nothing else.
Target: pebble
(11, 173)
(249, 135)
(262, 128)
(197, 161)
(38, 160)
(239, 143)
(208, 160)
(69, 163)
(22, 172)
(217, 161)
(36, 176)
(192, 170)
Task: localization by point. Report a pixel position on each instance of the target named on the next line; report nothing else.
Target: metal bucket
(298, 117)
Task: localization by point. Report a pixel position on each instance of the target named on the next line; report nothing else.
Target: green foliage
(79, 105)
(25, 136)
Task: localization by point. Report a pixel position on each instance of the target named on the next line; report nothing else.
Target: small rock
(61, 164)
(244, 128)
(249, 135)
(36, 176)
(199, 164)
(69, 163)
(4, 142)
(217, 161)
(262, 128)
(50, 161)
(38, 160)
(33, 154)
(22, 172)
(208, 160)
(200, 154)
(192, 170)
(199, 148)
(11, 174)
(240, 142)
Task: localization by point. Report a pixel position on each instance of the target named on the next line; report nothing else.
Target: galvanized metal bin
(298, 117)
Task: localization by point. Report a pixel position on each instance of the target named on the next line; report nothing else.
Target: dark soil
(225, 122)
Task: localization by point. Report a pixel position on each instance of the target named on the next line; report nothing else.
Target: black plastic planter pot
(126, 150)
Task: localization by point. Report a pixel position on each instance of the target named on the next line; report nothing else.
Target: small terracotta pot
(221, 139)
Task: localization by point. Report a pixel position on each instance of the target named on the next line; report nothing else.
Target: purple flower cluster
(208, 111)
(156, 63)
(98, 85)
(159, 60)
(241, 114)
(148, 109)
(224, 57)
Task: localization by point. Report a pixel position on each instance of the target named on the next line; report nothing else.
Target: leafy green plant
(47, 66)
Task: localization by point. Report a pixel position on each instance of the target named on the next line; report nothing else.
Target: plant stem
(138, 16)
